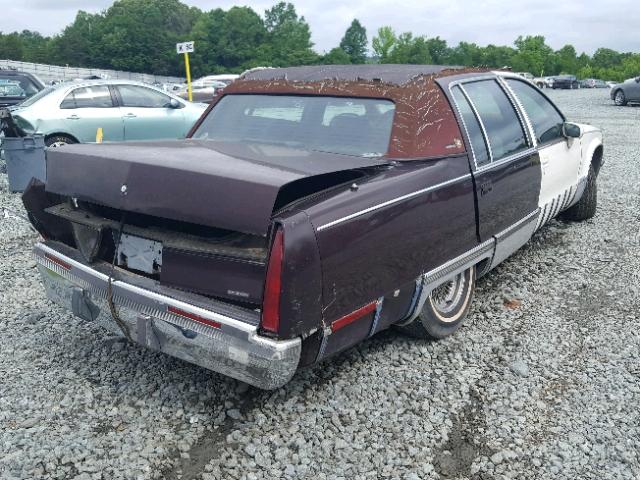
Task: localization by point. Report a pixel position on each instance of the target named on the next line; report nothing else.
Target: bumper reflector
(194, 317)
(57, 261)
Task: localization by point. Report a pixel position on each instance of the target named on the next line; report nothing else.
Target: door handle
(73, 117)
(486, 187)
(130, 115)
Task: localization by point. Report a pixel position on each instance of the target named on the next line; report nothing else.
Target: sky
(587, 25)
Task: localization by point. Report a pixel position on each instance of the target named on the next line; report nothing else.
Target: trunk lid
(217, 184)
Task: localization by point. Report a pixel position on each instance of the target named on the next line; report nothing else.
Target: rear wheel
(55, 141)
(588, 203)
(619, 98)
(446, 307)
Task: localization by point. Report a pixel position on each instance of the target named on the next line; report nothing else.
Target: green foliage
(336, 56)
(404, 48)
(354, 42)
(289, 37)
(140, 35)
(383, 43)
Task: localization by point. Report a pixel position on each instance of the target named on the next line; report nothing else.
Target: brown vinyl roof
(385, 73)
(424, 123)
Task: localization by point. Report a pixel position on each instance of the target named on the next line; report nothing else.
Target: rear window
(349, 126)
(17, 86)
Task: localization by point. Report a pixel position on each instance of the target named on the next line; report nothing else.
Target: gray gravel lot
(541, 382)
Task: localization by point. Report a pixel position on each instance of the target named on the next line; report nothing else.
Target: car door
(632, 90)
(86, 109)
(560, 157)
(506, 168)
(148, 114)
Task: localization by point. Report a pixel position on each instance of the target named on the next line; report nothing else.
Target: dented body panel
(361, 240)
(182, 180)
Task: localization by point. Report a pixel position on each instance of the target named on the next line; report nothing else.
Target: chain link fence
(50, 73)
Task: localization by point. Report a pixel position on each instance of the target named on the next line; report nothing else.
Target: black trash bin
(25, 159)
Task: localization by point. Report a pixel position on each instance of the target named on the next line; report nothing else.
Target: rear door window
(544, 117)
(97, 96)
(504, 130)
(137, 96)
(472, 126)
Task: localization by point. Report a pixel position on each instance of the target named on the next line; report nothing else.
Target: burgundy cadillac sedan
(310, 208)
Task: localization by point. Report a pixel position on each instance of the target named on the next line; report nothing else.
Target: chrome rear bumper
(209, 334)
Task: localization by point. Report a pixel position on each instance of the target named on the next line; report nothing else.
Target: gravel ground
(541, 382)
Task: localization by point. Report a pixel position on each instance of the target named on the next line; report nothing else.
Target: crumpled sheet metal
(425, 125)
(252, 361)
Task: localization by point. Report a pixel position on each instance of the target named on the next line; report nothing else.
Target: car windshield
(17, 86)
(348, 126)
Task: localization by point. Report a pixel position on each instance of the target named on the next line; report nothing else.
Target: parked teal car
(124, 110)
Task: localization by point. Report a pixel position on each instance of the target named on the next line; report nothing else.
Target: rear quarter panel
(372, 254)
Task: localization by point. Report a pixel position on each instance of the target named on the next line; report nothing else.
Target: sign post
(186, 48)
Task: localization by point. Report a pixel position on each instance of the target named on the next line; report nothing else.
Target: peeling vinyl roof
(391, 74)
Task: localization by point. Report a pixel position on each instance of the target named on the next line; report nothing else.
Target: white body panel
(560, 163)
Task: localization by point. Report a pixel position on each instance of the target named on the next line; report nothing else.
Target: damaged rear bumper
(222, 338)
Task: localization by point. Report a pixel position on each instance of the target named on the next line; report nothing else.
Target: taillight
(273, 285)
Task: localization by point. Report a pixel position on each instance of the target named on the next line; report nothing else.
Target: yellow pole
(186, 64)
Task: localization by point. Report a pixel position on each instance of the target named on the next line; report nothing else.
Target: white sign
(186, 47)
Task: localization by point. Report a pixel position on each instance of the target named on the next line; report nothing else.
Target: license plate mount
(139, 253)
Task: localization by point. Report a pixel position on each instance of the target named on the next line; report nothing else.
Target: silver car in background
(124, 110)
(626, 92)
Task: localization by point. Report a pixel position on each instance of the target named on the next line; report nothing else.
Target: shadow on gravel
(454, 458)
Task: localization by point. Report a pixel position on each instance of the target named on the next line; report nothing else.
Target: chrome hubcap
(57, 144)
(446, 297)
(619, 97)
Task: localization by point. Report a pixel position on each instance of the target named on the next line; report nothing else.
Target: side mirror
(173, 103)
(571, 130)
(637, 79)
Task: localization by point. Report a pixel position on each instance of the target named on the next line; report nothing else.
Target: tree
(566, 59)
(533, 55)
(497, 56)
(206, 34)
(438, 50)
(354, 42)
(241, 36)
(336, 56)
(75, 46)
(289, 37)
(383, 43)
(408, 49)
(11, 46)
(140, 35)
(606, 58)
(467, 54)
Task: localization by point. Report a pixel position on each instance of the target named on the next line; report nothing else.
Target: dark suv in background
(565, 82)
(17, 86)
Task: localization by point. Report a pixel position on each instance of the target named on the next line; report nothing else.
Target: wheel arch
(62, 134)
(597, 158)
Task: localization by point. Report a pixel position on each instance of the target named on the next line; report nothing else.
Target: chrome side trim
(428, 281)
(520, 223)
(393, 201)
(513, 237)
(524, 123)
(503, 161)
(520, 112)
(376, 318)
(412, 305)
(487, 141)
